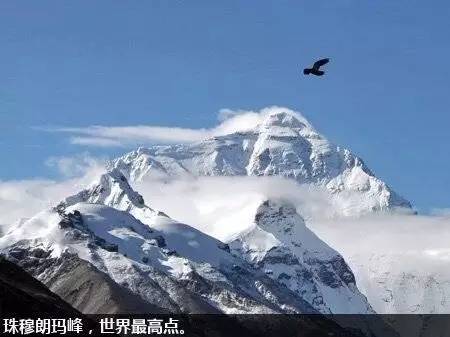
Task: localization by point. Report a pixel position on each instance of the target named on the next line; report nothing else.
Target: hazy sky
(177, 63)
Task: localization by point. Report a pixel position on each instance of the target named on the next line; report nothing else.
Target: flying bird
(315, 70)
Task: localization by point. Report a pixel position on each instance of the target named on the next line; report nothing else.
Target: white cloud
(129, 135)
(24, 198)
(217, 205)
(81, 165)
(385, 233)
(123, 136)
(95, 141)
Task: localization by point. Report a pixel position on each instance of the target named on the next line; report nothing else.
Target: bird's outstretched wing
(320, 63)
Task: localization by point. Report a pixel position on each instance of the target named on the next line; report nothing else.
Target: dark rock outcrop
(20, 293)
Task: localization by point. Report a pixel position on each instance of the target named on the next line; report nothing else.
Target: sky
(178, 63)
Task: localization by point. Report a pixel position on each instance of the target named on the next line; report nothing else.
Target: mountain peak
(112, 189)
(281, 245)
(275, 141)
(283, 117)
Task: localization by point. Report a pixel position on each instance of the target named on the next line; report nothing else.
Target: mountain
(280, 244)
(112, 189)
(283, 143)
(78, 282)
(405, 283)
(21, 293)
(412, 288)
(170, 266)
(279, 254)
(105, 251)
(102, 259)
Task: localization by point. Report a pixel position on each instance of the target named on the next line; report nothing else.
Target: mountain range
(106, 250)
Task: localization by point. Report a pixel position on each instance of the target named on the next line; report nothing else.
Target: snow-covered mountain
(270, 263)
(283, 143)
(113, 190)
(278, 265)
(169, 265)
(405, 283)
(279, 243)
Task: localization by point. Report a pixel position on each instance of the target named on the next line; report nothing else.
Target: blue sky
(177, 63)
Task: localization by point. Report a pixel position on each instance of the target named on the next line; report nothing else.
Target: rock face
(283, 144)
(282, 246)
(21, 293)
(80, 283)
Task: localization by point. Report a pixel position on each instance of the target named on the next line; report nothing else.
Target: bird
(315, 70)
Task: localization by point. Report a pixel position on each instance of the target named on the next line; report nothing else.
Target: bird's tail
(306, 71)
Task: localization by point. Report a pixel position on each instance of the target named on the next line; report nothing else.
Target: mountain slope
(283, 144)
(21, 293)
(112, 189)
(282, 245)
(395, 285)
(77, 281)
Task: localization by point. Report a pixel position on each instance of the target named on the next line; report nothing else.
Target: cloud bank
(213, 204)
(24, 198)
(219, 206)
(222, 206)
(230, 121)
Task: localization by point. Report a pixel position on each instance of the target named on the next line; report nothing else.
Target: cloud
(444, 212)
(80, 165)
(95, 141)
(24, 198)
(98, 135)
(220, 205)
(216, 205)
(230, 121)
(385, 233)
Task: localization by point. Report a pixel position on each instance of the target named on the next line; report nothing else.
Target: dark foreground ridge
(21, 293)
(28, 307)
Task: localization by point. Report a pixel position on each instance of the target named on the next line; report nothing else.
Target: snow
(282, 143)
(281, 243)
(43, 225)
(190, 242)
(400, 261)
